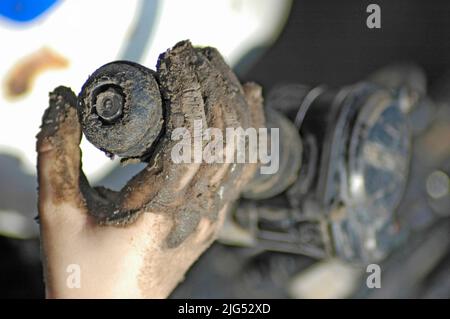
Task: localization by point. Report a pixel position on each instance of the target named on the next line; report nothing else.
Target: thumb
(59, 156)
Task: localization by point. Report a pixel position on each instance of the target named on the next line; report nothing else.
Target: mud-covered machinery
(344, 156)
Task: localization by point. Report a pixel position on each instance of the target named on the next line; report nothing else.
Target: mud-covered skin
(167, 214)
(54, 138)
(195, 84)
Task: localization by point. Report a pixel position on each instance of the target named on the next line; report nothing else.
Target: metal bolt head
(109, 105)
(120, 109)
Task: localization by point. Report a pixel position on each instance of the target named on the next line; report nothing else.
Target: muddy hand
(140, 241)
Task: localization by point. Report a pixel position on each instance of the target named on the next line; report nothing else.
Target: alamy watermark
(238, 146)
(73, 280)
(374, 19)
(374, 279)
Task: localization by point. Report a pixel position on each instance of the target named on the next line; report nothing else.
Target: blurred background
(46, 43)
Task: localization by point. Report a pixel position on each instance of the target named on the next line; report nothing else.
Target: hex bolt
(109, 105)
(121, 111)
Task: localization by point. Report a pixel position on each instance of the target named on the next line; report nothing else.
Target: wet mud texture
(195, 84)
